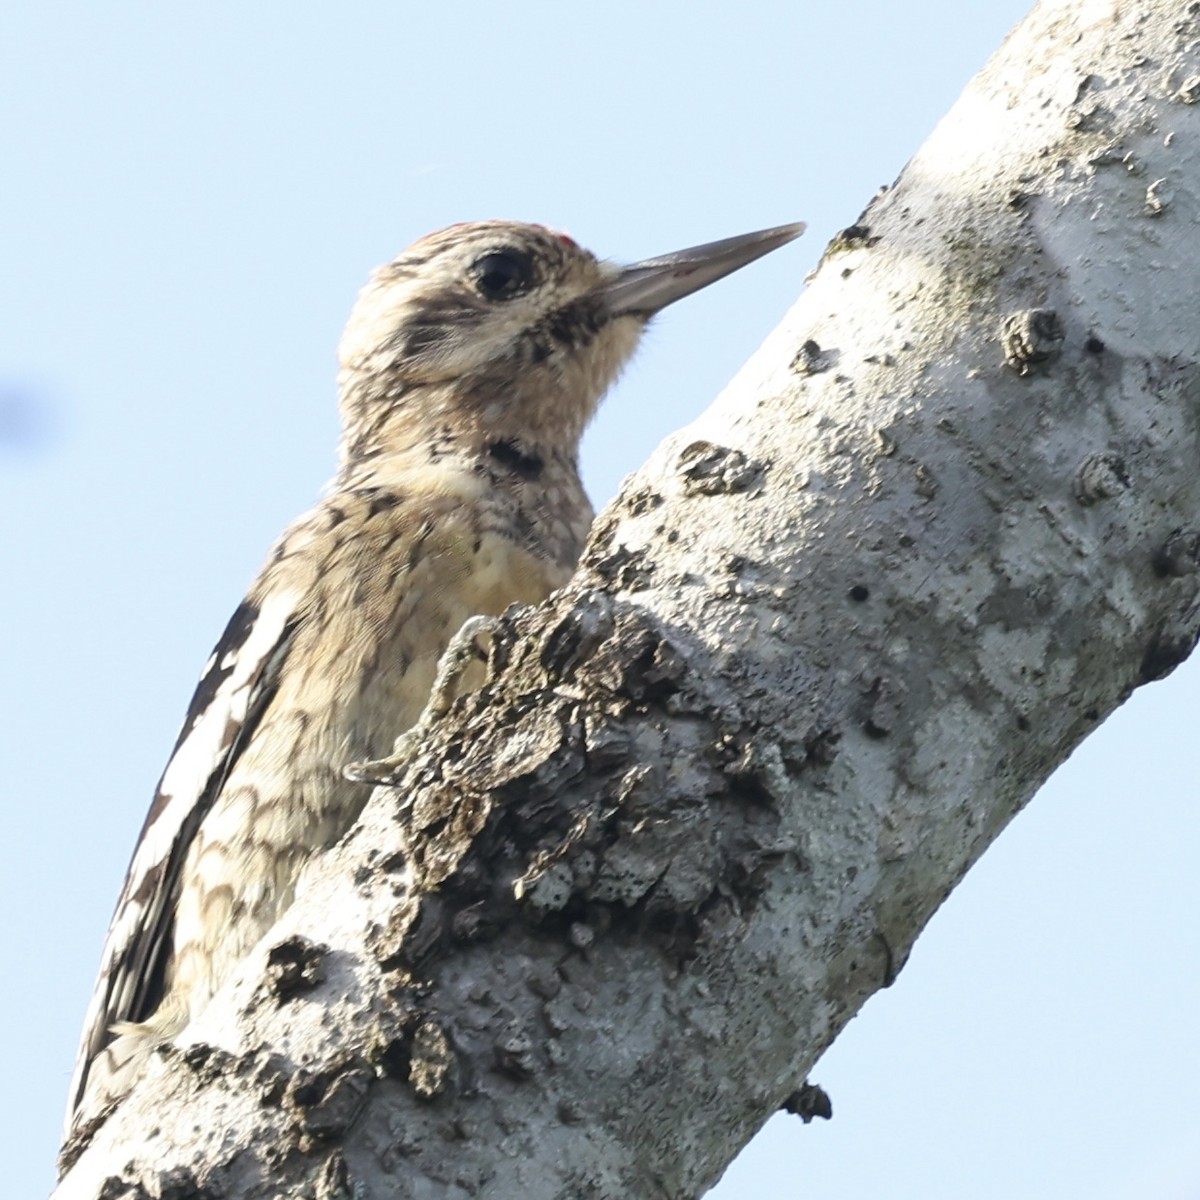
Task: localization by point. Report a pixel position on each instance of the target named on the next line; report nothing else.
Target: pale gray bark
(823, 648)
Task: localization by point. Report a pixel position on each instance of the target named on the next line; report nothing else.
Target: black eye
(502, 274)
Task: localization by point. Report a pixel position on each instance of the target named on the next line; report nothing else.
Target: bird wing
(235, 688)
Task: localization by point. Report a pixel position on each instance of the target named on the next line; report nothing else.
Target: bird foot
(467, 647)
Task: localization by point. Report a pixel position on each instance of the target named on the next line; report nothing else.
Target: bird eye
(502, 274)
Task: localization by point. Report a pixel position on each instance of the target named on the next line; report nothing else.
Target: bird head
(497, 326)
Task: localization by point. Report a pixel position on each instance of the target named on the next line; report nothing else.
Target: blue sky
(192, 196)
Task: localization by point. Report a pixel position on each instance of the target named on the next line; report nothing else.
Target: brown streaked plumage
(468, 371)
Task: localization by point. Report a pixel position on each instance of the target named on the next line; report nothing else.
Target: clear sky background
(192, 196)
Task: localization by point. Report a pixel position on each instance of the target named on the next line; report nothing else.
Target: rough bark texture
(822, 649)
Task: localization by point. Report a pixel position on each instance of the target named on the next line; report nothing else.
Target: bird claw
(383, 772)
(461, 654)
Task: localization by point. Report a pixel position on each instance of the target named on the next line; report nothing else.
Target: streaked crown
(499, 326)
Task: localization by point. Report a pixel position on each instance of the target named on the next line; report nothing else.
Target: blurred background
(192, 195)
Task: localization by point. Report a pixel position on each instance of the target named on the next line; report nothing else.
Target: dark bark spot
(1179, 555)
(629, 570)
(711, 470)
(432, 1060)
(333, 1180)
(116, 1188)
(514, 1055)
(328, 1101)
(1101, 477)
(810, 359)
(809, 1101)
(853, 237)
(295, 965)
(413, 931)
(881, 708)
(821, 747)
(1164, 654)
(1031, 338)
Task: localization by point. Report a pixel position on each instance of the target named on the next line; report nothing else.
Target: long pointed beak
(646, 287)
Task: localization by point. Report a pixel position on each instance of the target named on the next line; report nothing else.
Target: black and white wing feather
(235, 689)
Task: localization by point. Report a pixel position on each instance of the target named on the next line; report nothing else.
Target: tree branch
(818, 654)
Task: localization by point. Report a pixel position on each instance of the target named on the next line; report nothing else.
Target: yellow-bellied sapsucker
(468, 370)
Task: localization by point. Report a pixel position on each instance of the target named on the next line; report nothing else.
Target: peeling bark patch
(431, 1061)
(178, 1183)
(891, 968)
(475, 922)
(413, 930)
(1025, 607)
(619, 650)
(548, 884)
(630, 570)
(390, 1041)
(582, 632)
(327, 1102)
(1164, 654)
(1179, 555)
(1115, 155)
(394, 1058)
(181, 1183)
(116, 1188)
(643, 501)
(1091, 118)
(1189, 90)
(206, 1062)
(881, 708)
(809, 1100)
(582, 936)
(514, 1055)
(711, 470)
(821, 747)
(271, 1077)
(501, 832)
(541, 741)
(333, 1179)
(927, 484)
(1031, 338)
(853, 237)
(1159, 197)
(295, 965)
(1101, 477)
(653, 672)
(810, 359)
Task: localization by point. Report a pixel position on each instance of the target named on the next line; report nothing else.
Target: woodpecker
(468, 370)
